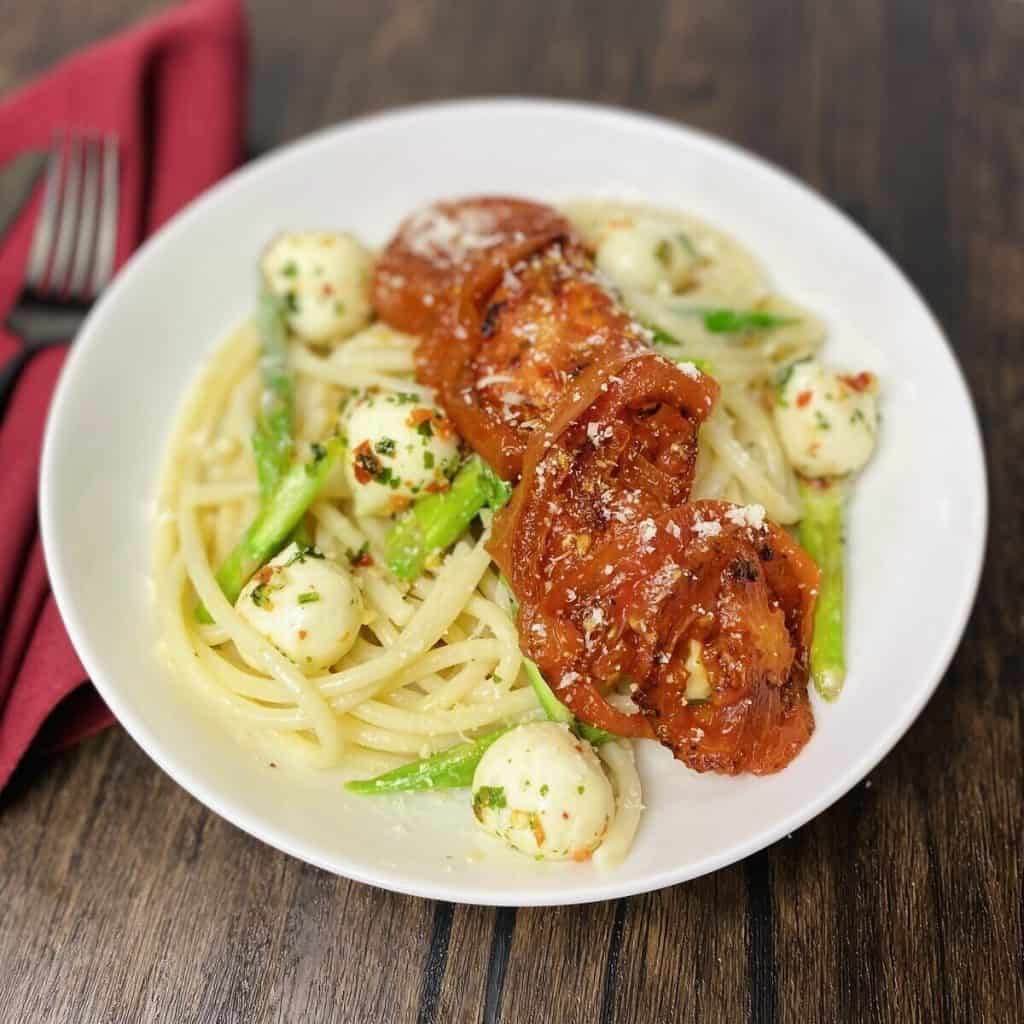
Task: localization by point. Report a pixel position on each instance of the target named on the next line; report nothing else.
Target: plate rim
(192, 782)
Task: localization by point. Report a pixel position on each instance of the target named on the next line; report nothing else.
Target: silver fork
(73, 245)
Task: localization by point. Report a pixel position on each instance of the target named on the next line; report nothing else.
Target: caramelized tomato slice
(701, 589)
(621, 447)
(437, 247)
(530, 340)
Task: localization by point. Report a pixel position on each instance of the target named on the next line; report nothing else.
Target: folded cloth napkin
(173, 90)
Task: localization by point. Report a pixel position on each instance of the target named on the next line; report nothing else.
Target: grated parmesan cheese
(747, 515)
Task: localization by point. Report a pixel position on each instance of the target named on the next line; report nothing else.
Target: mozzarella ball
(398, 447)
(324, 280)
(308, 606)
(543, 791)
(827, 422)
(647, 255)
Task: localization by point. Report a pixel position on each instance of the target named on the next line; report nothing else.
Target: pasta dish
(487, 508)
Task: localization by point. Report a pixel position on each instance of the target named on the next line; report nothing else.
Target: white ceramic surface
(918, 518)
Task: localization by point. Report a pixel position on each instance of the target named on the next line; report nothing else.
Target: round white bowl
(917, 522)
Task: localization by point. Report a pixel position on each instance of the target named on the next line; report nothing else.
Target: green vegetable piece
(272, 440)
(665, 339)
(731, 321)
(436, 521)
(821, 534)
(450, 769)
(556, 711)
(278, 517)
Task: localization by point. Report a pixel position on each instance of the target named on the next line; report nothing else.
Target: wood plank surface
(123, 899)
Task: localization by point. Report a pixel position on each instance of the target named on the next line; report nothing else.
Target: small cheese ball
(827, 422)
(308, 606)
(647, 255)
(399, 446)
(543, 791)
(324, 281)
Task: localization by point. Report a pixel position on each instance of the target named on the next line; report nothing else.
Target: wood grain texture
(122, 899)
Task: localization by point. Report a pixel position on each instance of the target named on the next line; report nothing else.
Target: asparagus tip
(829, 682)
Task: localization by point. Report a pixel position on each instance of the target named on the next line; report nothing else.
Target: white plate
(918, 518)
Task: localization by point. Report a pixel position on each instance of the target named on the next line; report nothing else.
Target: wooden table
(123, 899)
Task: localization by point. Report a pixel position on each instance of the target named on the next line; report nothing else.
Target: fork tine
(46, 225)
(106, 240)
(90, 201)
(68, 224)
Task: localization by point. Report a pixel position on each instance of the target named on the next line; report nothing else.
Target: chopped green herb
(821, 420)
(581, 790)
(731, 321)
(428, 460)
(403, 398)
(782, 378)
(544, 789)
(385, 446)
(663, 253)
(339, 308)
(857, 416)
(489, 796)
(318, 451)
(291, 302)
(290, 269)
(261, 596)
(425, 429)
(684, 240)
(309, 597)
(302, 552)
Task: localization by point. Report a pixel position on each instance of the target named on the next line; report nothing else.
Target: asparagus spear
(436, 521)
(821, 534)
(272, 440)
(450, 769)
(557, 711)
(282, 511)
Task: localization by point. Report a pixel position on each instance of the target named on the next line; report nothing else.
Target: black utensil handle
(37, 322)
(12, 371)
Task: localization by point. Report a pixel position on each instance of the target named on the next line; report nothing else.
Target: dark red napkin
(174, 91)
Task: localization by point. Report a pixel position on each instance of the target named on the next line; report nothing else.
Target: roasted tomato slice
(620, 448)
(705, 611)
(436, 248)
(530, 340)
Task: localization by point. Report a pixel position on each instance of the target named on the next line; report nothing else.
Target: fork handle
(12, 371)
(37, 322)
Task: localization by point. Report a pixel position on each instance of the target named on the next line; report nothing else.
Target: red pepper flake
(327, 288)
(265, 575)
(365, 465)
(398, 503)
(803, 399)
(418, 416)
(363, 560)
(303, 634)
(437, 487)
(863, 381)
